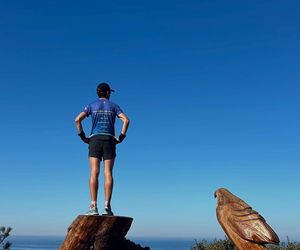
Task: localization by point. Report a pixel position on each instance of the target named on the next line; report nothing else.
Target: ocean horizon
(54, 242)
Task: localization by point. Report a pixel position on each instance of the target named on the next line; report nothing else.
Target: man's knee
(108, 174)
(95, 174)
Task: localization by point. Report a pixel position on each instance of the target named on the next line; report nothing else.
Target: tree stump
(99, 233)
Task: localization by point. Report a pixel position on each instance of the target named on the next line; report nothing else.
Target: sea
(53, 243)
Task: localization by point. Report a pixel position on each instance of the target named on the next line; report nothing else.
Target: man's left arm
(78, 124)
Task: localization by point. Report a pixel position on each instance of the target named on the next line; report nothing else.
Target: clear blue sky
(212, 90)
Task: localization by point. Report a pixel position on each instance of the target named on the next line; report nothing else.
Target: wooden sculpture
(246, 228)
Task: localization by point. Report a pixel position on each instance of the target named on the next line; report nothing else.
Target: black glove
(121, 137)
(83, 137)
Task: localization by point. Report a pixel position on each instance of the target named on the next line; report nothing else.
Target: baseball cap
(104, 87)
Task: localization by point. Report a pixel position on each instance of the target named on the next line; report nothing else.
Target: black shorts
(102, 147)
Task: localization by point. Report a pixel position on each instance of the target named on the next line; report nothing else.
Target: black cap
(104, 87)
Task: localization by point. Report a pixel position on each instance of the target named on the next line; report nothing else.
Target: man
(102, 143)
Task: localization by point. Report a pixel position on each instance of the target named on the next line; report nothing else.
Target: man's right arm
(125, 126)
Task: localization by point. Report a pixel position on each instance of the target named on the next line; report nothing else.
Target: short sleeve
(87, 110)
(118, 110)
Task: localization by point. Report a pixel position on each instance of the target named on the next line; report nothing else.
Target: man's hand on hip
(121, 137)
(83, 137)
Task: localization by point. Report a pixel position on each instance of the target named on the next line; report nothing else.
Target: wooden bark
(99, 233)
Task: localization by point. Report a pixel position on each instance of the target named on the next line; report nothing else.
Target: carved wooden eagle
(246, 228)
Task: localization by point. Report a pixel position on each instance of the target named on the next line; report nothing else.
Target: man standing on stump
(102, 143)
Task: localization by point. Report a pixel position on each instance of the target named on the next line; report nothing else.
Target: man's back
(103, 113)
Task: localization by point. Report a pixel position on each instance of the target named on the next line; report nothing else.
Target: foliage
(214, 245)
(286, 246)
(4, 233)
(227, 245)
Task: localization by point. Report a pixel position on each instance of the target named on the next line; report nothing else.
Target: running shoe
(107, 211)
(92, 211)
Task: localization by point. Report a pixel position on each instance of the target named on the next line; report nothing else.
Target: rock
(245, 227)
(99, 233)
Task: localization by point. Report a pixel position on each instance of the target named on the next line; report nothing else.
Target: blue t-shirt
(103, 114)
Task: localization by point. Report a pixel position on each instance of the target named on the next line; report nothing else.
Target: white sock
(93, 203)
(106, 204)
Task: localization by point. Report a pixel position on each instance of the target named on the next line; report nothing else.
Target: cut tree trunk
(99, 233)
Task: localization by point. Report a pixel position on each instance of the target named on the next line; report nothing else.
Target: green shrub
(228, 245)
(214, 245)
(288, 245)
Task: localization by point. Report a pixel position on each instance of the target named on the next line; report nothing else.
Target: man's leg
(108, 180)
(95, 168)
